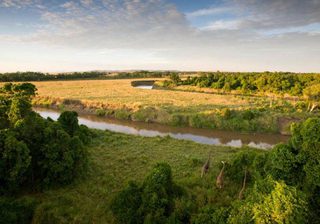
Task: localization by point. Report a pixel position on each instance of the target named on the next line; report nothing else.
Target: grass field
(117, 98)
(120, 93)
(115, 159)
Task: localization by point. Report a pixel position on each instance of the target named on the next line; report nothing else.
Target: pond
(144, 87)
(143, 84)
(203, 136)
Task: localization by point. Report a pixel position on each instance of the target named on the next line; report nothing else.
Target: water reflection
(144, 87)
(204, 136)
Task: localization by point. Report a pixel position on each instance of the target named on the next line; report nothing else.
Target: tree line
(264, 82)
(39, 76)
(35, 153)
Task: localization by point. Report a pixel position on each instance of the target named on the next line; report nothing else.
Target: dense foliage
(281, 186)
(35, 153)
(152, 202)
(265, 82)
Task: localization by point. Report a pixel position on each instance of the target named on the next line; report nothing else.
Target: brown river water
(203, 136)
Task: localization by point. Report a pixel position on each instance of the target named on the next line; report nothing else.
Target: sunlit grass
(119, 93)
(115, 159)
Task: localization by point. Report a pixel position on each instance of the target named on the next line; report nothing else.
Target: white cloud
(209, 11)
(153, 34)
(223, 25)
(16, 3)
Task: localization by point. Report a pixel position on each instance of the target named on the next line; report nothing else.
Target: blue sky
(229, 35)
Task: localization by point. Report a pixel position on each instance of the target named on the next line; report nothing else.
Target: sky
(186, 35)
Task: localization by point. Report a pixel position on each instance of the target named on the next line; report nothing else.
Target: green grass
(117, 158)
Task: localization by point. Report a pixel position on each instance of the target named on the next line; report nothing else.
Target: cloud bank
(244, 35)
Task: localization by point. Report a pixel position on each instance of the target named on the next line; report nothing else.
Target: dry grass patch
(120, 93)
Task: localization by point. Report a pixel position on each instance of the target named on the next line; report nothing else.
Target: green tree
(175, 78)
(310, 153)
(14, 160)
(312, 93)
(153, 202)
(19, 109)
(69, 122)
(283, 205)
(126, 205)
(284, 164)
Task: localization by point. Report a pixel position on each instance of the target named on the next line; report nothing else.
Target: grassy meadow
(117, 98)
(117, 158)
(120, 93)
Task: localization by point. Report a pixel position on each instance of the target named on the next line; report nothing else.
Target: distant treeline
(38, 76)
(272, 82)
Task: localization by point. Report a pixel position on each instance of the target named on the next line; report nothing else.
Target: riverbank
(203, 136)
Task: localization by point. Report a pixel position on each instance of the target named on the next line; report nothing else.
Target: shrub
(179, 120)
(69, 121)
(146, 114)
(212, 215)
(126, 205)
(226, 113)
(248, 115)
(122, 114)
(101, 112)
(283, 205)
(17, 210)
(153, 202)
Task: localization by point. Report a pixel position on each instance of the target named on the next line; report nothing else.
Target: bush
(179, 120)
(248, 115)
(270, 201)
(246, 160)
(283, 164)
(126, 205)
(122, 114)
(212, 215)
(153, 202)
(14, 211)
(147, 114)
(283, 205)
(101, 112)
(69, 121)
(226, 113)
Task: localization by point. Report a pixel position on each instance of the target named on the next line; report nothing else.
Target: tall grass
(116, 159)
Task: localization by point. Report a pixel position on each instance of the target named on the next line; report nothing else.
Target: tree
(34, 150)
(14, 160)
(310, 153)
(126, 205)
(284, 204)
(284, 164)
(24, 89)
(19, 109)
(153, 202)
(57, 159)
(69, 122)
(312, 93)
(175, 78)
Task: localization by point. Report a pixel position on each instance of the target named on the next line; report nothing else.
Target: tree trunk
(314, 106)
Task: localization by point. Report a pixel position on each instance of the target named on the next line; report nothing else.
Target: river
(203, 136)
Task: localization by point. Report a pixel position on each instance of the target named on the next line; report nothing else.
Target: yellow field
(118, 99)
(119, 93)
